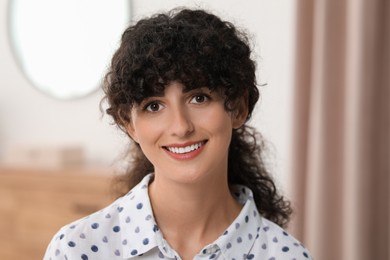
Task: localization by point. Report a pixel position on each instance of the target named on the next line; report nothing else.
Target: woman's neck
(192, 215)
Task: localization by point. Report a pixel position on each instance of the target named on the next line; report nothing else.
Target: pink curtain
(341, 150)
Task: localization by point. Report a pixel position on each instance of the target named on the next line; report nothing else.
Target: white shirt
(126, 229)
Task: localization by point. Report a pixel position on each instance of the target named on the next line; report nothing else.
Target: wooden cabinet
(34, 204)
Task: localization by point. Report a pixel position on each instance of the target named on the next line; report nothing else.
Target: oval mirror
(64, 47)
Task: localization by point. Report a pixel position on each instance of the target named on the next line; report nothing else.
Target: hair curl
(197, 49)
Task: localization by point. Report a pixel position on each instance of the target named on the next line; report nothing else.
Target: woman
(182, 85)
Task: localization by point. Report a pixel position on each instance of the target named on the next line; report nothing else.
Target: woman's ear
(240, 114)
(131, 131)
(125, 122)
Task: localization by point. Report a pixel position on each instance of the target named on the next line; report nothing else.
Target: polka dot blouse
(126, 229)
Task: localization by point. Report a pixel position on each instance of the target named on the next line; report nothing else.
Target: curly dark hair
(197, 49)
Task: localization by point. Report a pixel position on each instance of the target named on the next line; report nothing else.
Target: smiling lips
(185, 151)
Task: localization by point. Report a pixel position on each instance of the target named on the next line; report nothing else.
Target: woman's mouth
(185, 151)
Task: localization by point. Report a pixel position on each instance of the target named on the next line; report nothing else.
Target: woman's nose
(181, 123)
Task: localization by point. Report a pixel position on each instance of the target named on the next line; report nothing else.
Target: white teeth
(186, 149)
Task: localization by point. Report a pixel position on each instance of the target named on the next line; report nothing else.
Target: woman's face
(185, 136)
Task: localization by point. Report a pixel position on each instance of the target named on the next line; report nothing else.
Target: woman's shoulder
(100, 231)
(271, 241)
(279, 243)
(86, 234)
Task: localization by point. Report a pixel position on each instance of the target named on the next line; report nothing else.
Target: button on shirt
(126, 229)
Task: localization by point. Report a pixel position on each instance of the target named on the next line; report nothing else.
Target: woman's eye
(198, 99)
(153, 107)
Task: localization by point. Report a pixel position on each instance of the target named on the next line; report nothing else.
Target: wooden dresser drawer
(35, 204)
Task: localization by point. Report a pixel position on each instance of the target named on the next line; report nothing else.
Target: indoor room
(322, 118)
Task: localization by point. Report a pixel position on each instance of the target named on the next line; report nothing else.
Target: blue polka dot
(250, 256)
(105, 239)
(239, 240)
(139, 206)
(116, 229)
(212, 256)
(95, 225)
(161, 255)
(229, 245)
(62, 236)
(84, 257)
(275, 239)
(117, 252)
(134, 252)
(71, 244)
(119, 209)
(94, 248)
(285, 249)
(155, 228)
(246, 219)
(145, 241)
(305, 255)
(237, 225)
(225, 233)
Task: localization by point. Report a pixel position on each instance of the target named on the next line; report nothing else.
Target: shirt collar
(140, 232)
(240, 236)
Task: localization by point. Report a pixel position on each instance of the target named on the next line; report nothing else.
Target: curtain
(341, 144)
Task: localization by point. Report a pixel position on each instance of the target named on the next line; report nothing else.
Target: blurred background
(324, 110)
